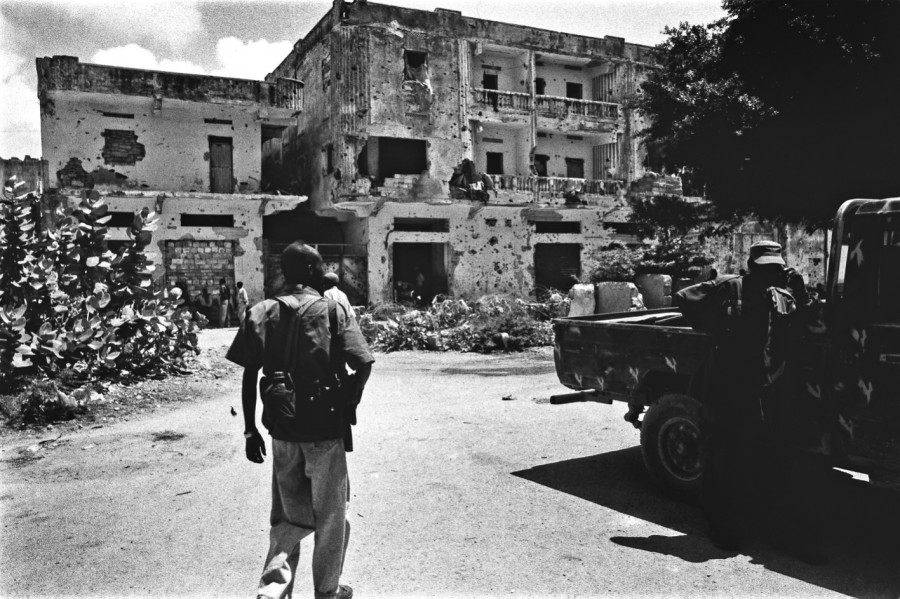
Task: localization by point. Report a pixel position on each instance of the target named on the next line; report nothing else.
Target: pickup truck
(847, 354)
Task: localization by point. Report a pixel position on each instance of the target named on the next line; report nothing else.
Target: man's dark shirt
(250, 348)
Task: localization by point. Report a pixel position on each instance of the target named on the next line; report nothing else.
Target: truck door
(867, 340)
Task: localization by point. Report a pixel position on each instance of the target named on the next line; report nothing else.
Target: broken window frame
(326, 72)
(415, 72)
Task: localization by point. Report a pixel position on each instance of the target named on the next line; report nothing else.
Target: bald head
(302, 264)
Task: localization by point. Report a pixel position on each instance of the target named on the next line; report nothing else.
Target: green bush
(615, 263)
(71, 308)
(493, 323)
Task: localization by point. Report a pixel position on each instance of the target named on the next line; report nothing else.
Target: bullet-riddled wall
(212, 235)
(486, 250)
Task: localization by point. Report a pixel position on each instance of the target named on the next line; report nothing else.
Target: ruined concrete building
(395, 104)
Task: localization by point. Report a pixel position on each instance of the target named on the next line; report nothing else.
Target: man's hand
(255, 448)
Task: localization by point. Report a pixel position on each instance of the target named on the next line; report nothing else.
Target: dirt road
(455, 492)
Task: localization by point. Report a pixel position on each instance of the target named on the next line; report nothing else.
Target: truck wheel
(670, 443)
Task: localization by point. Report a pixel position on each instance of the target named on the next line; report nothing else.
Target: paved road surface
(455, 493)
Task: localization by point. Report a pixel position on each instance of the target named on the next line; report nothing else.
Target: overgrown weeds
(492, 323)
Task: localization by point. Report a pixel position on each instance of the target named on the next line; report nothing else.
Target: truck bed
(628, 356)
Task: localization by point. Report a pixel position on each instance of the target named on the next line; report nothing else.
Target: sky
(249, 38)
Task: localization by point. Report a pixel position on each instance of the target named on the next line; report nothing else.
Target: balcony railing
(553, 106)
(499, 100)
(555, 184)
(558, 107)
(286, 93)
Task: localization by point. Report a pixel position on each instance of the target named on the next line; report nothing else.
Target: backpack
(301, 394)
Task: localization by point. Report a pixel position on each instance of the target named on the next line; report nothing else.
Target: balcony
(286, 93)
(555, 185)
(500, 100)
(558, 107)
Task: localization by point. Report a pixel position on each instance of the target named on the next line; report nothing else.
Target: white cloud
(249, 60)
(20, 120)
(174, 23)
(138, 57)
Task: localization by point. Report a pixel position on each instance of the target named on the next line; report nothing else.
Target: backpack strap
(288, 328)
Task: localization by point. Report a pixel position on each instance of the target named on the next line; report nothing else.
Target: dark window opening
(575, 168)
(422, 225)
(217, 121)
(329, 158)
(557, 265)
(540, 86)
(574, 90)
(207, 220)
(540, 164)
(120, 219)
(557, 226)
(494, 163)
(623, 228)
(390, 156)
(542, 134)
(118, 115)
(489, 81)
(326, 72)
(420, 272)
(492, 140)
(491, 222)
(574, 137)
(415, 67)
(570, 67)
(272, 167)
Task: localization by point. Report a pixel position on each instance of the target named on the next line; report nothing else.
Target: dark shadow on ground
(488, 370)
(862, 539)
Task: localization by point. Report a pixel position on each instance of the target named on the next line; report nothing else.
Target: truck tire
(670, 444)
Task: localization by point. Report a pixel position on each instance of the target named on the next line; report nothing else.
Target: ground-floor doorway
(556, 266)
(420, 271)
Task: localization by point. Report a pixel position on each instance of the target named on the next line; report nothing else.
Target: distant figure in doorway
(332, 291)
(224, 301)
(243, 300)
(204, 304)
(419, 287)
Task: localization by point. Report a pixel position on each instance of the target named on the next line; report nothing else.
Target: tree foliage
(69, 305)
(783, 108)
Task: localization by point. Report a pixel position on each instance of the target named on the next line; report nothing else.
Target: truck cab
(845, 403)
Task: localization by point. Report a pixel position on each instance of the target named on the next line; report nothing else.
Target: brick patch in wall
(200, 264)
(121, 147)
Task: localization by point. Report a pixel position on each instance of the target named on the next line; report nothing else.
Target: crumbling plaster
(175, 140)
(246, 234)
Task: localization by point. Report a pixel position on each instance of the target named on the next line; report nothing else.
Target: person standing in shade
(243, 300)
(332, 291)
(309, 426)
(224, 302)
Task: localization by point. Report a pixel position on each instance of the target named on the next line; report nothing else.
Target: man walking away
(303, 343)
(224, 301)
(242, 301)
(332, 291)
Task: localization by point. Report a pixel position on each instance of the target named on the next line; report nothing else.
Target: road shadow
(862, 539)
(501, 370)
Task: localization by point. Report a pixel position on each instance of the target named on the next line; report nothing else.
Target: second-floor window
(495, 163)
(574, 90)
(540, 86)
(415, 66)
(540, 164)
(575, 168)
